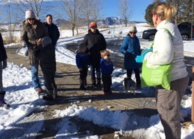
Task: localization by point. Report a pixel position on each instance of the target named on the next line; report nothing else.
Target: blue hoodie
(82, 59)
(106, 66)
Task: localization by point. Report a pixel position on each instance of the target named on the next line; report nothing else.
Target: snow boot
(55, 93)
(49, 95)
(98, 82)
(82, 86)
(2, 101)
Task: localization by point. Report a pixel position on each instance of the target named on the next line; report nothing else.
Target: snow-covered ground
(24, 100)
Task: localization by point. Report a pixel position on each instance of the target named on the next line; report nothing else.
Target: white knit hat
(132, 29)
(29, 14)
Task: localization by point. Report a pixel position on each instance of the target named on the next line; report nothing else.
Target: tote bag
(154, 76)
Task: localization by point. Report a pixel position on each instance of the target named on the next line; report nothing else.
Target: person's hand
(4, 64)
(145, 52)
(38, 42)
(80, 69)
(129, 56)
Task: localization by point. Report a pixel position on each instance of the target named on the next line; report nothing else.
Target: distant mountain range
(105, 21)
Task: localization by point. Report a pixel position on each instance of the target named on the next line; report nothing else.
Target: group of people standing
(166, 49)
(40, 39)
(92, 53)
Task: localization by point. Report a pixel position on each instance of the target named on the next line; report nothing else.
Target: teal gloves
(145, 52)
(139, 59)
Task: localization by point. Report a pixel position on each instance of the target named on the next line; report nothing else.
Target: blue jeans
(35, 80)
(95, 68)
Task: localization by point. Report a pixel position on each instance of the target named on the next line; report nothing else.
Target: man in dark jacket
(46, 55)
(3, 64)
(53, 31)
(95, 43)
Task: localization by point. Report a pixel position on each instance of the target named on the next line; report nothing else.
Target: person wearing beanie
(32, 33)
(131, 48)
(3, 65)
(46, 54)
(95, 43)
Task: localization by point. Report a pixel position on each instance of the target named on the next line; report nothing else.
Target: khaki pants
(168, 106)
(1, 82)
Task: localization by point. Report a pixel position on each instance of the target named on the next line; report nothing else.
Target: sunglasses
(132, 32)
(31, 19)
(153, 14)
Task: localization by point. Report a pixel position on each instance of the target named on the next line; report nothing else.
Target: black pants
(83, 76)
(95, 67)
(137, 75)
(49, 78)
(107, 82)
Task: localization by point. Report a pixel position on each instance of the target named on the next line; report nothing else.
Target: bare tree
(35, 5)
(97, 9)
(71, 9)
(87, 7)
(125, 10)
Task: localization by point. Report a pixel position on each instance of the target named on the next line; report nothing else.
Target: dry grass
(7, 40)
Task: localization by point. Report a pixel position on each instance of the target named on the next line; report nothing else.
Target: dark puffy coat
(131, 46)
(46, 55)
(82, 59)
(3, 54)
(30, 34)
(95, 43)
(54, 33)
(106, 66)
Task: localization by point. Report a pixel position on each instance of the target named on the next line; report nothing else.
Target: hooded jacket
(167, 50)
(82, 60)
(106, 66)
(30, 34)
(95, 42)
(46, 55)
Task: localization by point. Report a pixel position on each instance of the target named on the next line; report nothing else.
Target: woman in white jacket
(167, 49)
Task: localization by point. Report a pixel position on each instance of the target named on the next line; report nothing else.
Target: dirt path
(69, 93)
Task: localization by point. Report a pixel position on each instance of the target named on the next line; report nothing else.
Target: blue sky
(110, 8)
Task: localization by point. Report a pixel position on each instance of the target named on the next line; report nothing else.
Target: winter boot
(2, 101)
(94, 83)
(82, 87)
(55, 93)
(49, 95)
(98, 82)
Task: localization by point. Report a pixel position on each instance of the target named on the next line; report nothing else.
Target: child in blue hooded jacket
(82, 62)
(106, 66)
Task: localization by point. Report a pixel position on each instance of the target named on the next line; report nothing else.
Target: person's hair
(164, 10)
(104, 53)
(49, 15)
(82, 46)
